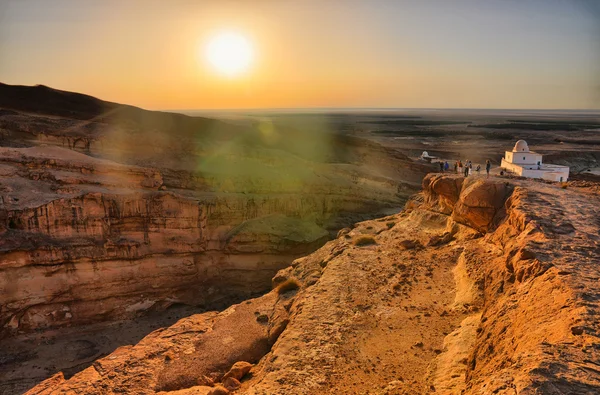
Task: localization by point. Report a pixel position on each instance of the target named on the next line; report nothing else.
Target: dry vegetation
(364, 241)
(291, 284)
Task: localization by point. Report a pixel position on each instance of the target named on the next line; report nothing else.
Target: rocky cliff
(87, 240)
(108, 211)
(478, 286)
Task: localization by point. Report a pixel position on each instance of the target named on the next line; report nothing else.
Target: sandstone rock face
(210, 345)
(521, 318)
(475, 202)
(536, 293)
(107, 211)
(101, 252)
(442, 192)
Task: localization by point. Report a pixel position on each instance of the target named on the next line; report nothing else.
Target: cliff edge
(478, 286)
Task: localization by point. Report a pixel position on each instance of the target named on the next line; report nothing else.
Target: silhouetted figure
(446, 166)
(488, 166)
(441, 166)
(478, 169)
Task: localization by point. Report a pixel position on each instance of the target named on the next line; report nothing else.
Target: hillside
(478, 286)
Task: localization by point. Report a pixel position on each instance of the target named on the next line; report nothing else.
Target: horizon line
(321, 109)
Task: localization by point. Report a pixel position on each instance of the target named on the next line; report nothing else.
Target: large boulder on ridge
(475, 202)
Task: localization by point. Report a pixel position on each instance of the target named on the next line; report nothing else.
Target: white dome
(521, 146)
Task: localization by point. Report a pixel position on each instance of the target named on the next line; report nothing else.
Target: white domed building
(525, 163)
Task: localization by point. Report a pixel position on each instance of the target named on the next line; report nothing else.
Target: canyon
(477, 286)
(151, 252)
(110, 213)
(88, 238)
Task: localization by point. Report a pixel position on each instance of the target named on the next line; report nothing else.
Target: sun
(229, 53)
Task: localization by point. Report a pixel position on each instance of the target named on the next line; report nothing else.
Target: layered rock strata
(87, 240)
(479, 286)
(108, 210)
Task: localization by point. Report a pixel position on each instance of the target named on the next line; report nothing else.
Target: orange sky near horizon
(334, 54)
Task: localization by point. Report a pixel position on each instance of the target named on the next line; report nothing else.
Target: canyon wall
(107, 211)
(76, 250)
(479, 286)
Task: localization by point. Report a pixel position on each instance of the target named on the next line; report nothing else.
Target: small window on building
(523, 158)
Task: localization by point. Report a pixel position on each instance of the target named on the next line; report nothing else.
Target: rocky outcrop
(384, 317)
(535, 292)
(475, 202)
(538, 327)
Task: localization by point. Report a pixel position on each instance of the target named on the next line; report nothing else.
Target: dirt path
(376, 319)
(408, 311)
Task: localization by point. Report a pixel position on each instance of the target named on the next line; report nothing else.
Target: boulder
(238, 370)
(479, 203)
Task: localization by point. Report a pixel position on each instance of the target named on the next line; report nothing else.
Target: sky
(516, 54)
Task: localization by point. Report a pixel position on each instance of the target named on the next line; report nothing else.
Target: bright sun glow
(229, 53)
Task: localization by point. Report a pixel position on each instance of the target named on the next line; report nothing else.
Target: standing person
(456, 166)
(470, 168)
(460, 167)
(446, 166)
(466, 170)
(488, 166)
(441, 166)
(478, 169)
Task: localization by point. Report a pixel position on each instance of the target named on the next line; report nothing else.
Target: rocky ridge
(478, 286)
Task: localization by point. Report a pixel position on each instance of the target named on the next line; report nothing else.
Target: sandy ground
(378, 317)
(404, 311)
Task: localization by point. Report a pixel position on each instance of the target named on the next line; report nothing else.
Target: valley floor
(30, 358)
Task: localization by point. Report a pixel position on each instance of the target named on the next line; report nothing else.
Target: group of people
(465, 168)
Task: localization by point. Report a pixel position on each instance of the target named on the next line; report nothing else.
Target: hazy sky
(327, 53)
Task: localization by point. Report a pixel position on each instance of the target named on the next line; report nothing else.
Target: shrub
(364, 241)
(288, 285)
(390, 225)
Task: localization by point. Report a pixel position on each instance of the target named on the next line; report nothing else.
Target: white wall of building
(516, 169)
(523, 158)
(546, 172)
